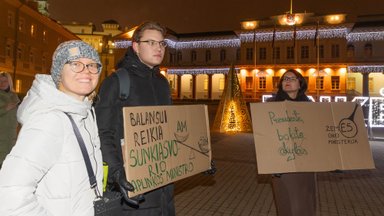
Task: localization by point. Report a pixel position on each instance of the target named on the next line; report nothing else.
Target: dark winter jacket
(148, 87)
(282, 96)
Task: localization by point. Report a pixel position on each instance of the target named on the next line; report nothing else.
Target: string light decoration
(122, 44)
(376, 112)
(300, 35)
(366, 69)
(193, 44)
(196, 71)
(208, 43)
(365, 36)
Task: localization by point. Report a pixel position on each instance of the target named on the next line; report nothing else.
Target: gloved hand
(212, 170)
(121, 184)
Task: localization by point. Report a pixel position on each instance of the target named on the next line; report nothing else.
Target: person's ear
(135, 47)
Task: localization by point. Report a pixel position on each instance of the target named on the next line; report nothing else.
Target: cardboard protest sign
(306, 136)
(163, 144)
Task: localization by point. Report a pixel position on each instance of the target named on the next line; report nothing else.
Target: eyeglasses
(154, 43)
(286, 79)
(78, 67)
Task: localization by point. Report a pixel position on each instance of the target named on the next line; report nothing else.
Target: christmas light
(300, 35)
(366, 69)
(365, 36)
(360, 99)
(340, 99)
(196, 71)
(376, 112)
(218, 43)
(120, 44)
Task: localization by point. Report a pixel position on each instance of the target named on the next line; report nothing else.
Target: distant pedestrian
(45, 173)
(294, 193)
(8, 122)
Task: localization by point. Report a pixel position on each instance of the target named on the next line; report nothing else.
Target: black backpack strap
(124, 83)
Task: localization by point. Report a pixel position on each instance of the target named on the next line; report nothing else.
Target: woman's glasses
(78, 67)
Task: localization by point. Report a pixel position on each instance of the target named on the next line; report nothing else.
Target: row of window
(319, 85)
(23, 27)
(276, 53)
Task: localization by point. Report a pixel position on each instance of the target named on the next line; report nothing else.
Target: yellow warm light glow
(231, 123)
(243, 72)
(162, 72)
(312, 70)
(328, 70)
(335, 18)
(269, 71)
(249, 25)
(299, 70)
(255, 71)
(291, 19)
(343, 70)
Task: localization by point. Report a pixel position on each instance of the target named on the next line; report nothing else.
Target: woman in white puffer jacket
(45, 173)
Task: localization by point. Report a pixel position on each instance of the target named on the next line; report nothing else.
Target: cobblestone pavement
(237, 189)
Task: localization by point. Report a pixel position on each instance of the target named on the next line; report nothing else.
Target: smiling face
(291, 84)
(150, 55)
(78, 85)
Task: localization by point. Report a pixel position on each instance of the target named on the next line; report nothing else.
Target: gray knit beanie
(69, 51)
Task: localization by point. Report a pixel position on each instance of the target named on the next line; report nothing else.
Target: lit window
(205, 84)
(262, 82)
(351, 83)
(335, 81)
(33, 31)
(275, 82)
(221, 84)
(249, 82)
(18, 86)
(319, 83)
(371, 84)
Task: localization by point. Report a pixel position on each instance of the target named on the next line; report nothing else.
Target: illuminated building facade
(28, 40)
(100, 40)
(338, 57)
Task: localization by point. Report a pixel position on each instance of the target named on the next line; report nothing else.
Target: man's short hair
(147, 25)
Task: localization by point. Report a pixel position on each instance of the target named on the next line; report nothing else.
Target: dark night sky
(186, 16)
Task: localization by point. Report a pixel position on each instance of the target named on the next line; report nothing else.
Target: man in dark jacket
(148, 87)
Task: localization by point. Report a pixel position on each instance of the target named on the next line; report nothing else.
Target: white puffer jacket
(45, 173)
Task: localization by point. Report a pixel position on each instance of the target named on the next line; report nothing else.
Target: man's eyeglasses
(154, 43)
(288, 79)
(78, 67)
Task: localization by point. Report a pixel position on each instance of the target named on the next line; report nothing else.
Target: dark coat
(294, 193)
(148, 87)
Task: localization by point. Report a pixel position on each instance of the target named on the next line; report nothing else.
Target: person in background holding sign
(294, 193)
(45, 173)
(8, 122)
(148, 87)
